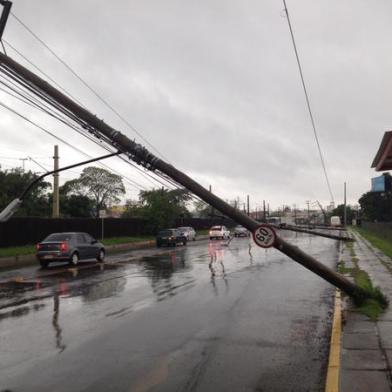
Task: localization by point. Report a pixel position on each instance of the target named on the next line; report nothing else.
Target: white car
(188, 232)
(219, 232)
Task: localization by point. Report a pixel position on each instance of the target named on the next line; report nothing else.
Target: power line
(50, 112)
(125, 121)
(41, 71)
(34, 102)
(308, 101)
(134, 183)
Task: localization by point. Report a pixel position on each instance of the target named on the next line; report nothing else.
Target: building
(383, 159)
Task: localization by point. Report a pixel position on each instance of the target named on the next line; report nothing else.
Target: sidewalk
(366, 352)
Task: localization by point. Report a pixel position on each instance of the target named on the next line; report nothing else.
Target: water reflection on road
(155, 302)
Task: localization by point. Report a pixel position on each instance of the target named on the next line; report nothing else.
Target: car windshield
(164, 233)
(183, 228)
(58, 237)
(216, 228)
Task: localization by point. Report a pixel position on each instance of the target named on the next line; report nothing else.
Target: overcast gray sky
(215, 87)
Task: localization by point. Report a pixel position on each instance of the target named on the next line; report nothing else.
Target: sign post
(264, 236)
(102, 215)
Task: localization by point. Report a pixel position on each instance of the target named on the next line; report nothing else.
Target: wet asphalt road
(205, 317)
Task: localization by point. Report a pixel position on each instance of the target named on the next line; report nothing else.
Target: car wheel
(101, 256)
(44, 264)
(185, 241)
(74, 259)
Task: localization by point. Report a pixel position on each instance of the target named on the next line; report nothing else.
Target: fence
(22, 231)
(382, 229)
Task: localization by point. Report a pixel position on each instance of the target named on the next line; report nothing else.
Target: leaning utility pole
(308, 202)
(345, 207)
(142, 156)
(23, 163)
(56, 195)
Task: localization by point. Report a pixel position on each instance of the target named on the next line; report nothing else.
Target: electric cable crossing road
(139, 154)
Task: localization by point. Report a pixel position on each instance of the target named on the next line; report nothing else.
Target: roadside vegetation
(14, 251)
(126, 240)
(378, 242)
(373, 305)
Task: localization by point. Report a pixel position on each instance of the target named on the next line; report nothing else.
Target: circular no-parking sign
(264, 236)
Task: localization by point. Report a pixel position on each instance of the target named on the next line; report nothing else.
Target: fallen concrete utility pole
(318, 233)
(142, 156)
(311, 227)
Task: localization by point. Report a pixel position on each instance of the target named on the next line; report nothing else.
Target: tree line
(94, 190)
(97, 189)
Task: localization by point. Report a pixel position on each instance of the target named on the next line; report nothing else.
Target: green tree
(75, 206)
(160, 207)
(133, 209)
(100, 186)
(13, 182)
(202, 209)
(376, 206)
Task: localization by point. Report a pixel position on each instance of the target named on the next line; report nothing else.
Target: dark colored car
(70, 247)
(170, 237)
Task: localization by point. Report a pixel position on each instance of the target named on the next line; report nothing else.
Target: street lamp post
(15, 204)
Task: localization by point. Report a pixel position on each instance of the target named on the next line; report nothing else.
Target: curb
(332, 383)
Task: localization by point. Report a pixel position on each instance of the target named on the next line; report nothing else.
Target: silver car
(241, 231)
(70, 247)
(188, 232)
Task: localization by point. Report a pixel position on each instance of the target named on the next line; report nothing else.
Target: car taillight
(38, 247)
(64, 246)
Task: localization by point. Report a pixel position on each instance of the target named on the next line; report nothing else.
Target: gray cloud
(215, 87)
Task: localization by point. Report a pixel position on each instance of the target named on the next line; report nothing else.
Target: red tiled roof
(383, 159)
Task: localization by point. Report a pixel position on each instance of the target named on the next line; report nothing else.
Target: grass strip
(126, 240)
(382, 244)
(373, 303)
(14, 251)
(17, 251)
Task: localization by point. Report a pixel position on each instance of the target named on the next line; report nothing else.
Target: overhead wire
(51, 102)
(107, 104)
(42, 72)
(308, 101)
(87, 85)
(134, 183)
(46, 109)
